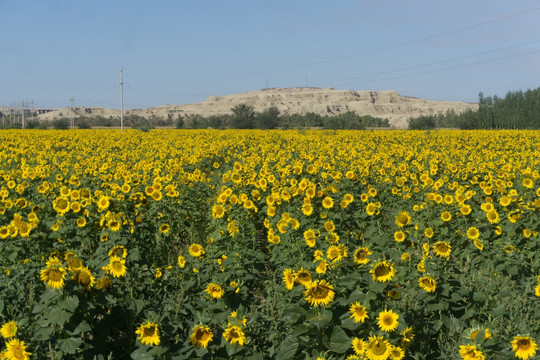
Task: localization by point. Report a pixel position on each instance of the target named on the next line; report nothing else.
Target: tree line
(517, 110)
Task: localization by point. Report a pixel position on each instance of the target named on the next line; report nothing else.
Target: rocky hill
(328, 101)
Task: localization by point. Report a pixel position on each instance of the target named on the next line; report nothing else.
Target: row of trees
(517, 110)
(245, 117)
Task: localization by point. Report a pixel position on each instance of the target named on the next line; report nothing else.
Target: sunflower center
(382, 270)
(117, 265)
(84, 279)
(388, 320)
(55, 275)
(319, 292)
(149, 331)
(524, 344)
(379, 348)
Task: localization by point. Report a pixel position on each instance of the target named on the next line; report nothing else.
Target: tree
(268, 119)
(180, 122)
(244, 116)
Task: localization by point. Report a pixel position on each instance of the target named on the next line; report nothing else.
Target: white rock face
(384, 104)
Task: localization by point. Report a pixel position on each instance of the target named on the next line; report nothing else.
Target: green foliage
(424, 122)
(244, 117)
(60, 124)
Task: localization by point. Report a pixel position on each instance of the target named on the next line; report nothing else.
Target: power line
(448, 68)
(426, 64)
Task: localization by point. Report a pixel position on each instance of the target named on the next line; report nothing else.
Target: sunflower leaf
(339, 341)
(288, 348)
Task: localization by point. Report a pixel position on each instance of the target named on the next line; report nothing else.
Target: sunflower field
(220, 244)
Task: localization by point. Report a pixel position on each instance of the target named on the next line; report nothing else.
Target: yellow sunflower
(377, 348)
(442, 249)
(399, 236)
(387, 320)
(196, 250)
(403, 219)
(181, 261)
(360, 256)
(359, 346)
(148, 334)
(117, 266)
(492, 216)
(16, 350)
(235, 335)
(383, 271)
(215, 291)
(201, 336)
(84, 277)
(327, 202)
(524, 347)
(446, 216)
(289, 278)
(358, 312)
(8, 330)
(319, 293)
(218, 211)
(427, 283)
(473, 233)
(54, 274)
(164, 228)
(397, 353)
(408, 336)
(428, 232)
(302, 277)
(470, 352)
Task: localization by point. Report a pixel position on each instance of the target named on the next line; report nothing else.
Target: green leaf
(232, 349)
(43, 333)
(69, 345)
(288, 348)
(339, 341)
(498, 311)
(82, 327)
(70, 304)
(319, 319)
(58, 316)
(300, 330)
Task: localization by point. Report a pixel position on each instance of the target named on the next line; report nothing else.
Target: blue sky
(179, 52)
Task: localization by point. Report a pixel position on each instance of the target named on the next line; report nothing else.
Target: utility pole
(22, 105)
(72, 120)
(121, 99)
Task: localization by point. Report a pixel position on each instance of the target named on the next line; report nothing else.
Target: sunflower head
(403, 219)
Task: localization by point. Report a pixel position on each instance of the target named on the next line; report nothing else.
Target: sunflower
(215, 291)
(53, 274)
(310, 238)
(371, 209)
(427, 283)
(475, 333)
(16, 350)
(428, 232)
(537, 290)
(387, 320)
(307, 209)
(148, 334)
(118, 250)
(358, 312)
(61, 206)
(473, 233)
(360, 256)
(8, 330)
(327, 202)
(446, 216)
(218, 211)
(303, 277)
(329, 226)
(181, 261)
(165, 228)
(235, 334)
(319, 293)
(104, 282)
(383, 271)
(377, 348)
(408, 336)
(397, 353)
(524, 347)
(359, 346)
(201, 336)
(196, 250)
(403, 219)
(288, 278)
(117, 266)
(333, 253)
(81, 222)
(399, 236)
(479, 245)
(492, 216)
(84, 277)
(470, 352)
(442, 249)
(465, 209)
